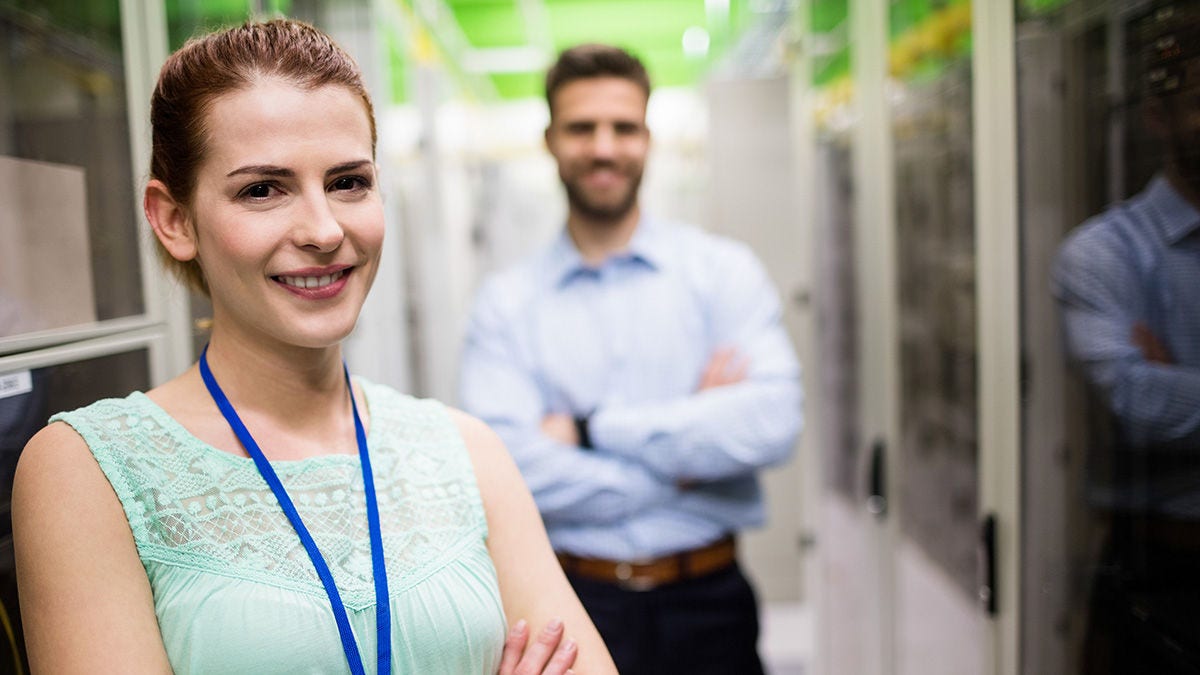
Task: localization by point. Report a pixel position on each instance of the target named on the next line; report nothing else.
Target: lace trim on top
(193, 505)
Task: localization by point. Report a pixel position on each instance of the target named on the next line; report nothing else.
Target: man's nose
(604, 142)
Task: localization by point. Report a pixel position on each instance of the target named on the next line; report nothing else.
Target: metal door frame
(164, 327)
(998, 289)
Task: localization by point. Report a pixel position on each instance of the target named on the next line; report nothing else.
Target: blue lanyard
(383, 619)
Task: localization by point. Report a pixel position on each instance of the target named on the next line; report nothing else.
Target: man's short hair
(594, 60)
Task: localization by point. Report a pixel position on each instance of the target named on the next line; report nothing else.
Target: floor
(786, 643)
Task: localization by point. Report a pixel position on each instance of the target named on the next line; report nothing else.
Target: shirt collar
(646, 246)
(1175, 215)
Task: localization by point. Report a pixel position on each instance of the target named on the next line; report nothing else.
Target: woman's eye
(349, 183)
(257, 191)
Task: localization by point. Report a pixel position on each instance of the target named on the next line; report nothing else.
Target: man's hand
(561, 427)
(548, 655)
(1152, 347)
(725, 367)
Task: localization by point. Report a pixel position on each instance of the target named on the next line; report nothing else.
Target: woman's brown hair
(210, 66)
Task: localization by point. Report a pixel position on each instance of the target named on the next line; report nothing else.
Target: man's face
(1183, 127)
(599, 138)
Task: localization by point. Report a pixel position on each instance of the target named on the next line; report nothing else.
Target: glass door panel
(27, 399)
(849, 612)
(1110, 208)
(67, 205)
(938, 623)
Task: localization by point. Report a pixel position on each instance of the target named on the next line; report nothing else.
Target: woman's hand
(548, 655)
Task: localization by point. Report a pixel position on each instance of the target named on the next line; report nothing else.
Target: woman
(148, 541)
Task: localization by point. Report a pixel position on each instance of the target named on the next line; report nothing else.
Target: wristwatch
(581, 428)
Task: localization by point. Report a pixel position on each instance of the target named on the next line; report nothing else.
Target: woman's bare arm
(532, 584)
(86, 603)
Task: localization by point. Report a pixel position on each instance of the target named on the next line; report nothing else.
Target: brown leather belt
(643, 575)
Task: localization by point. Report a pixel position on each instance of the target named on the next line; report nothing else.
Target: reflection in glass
(27, 399)
(1112, 533)
(65, 165)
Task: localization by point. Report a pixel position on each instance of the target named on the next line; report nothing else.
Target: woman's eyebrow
(261, 170)
(348, 166)
(281, 172)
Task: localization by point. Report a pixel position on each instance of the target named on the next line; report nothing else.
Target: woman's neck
(293, 400)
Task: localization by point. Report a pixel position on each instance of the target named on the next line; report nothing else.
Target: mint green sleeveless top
(234, 590)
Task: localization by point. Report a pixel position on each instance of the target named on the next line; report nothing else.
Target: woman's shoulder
(425, 432)
(132, 442)
(493, 467)
(107, 411)
(57, 446)
(67, 451)
(57, 460)
(122, 424)
(406, 415)
(482, 443)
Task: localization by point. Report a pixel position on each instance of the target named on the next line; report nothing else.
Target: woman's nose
(318, 227)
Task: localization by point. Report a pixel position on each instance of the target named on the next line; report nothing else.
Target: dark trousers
(701, 626)
(1144, 604)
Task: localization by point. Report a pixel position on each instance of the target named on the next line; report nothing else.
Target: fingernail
(569, 645)
(519, 627)
(555, 624)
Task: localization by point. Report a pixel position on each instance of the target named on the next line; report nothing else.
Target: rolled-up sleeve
(726, 431)
(1102, 295)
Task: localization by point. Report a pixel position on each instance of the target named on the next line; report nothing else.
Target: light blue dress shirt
(1139, 261)
(627, 342)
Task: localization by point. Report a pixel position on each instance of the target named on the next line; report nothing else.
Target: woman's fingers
(543, 647)
(563, 659)
(514, 648)
(548, 654)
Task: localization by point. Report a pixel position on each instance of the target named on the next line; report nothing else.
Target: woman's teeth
(312, 282)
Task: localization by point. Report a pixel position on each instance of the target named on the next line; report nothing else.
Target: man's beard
(579, 201)
(1185, 160)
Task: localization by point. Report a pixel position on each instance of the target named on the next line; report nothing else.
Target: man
(640, 376)
(1126, 285)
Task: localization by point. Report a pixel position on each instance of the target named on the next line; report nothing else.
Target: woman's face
(287, 214)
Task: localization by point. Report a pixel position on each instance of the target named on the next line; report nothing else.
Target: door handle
(877, 480)
(987, 565)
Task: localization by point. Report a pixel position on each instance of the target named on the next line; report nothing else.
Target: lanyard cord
(383, 620)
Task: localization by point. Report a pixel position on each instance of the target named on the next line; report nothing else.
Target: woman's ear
(170, 221)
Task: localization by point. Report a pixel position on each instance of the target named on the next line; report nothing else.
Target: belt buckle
(629, 581)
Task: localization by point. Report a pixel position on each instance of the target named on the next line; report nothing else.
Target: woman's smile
(315, 285)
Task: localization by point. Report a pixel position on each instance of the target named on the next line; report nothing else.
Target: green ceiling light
(695, 43)
(520, 59)
(509, 43)
(717, 12)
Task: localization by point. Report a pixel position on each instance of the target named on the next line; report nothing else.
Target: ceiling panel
(652, 29)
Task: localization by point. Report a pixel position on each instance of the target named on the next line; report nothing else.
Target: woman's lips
(315, 286)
